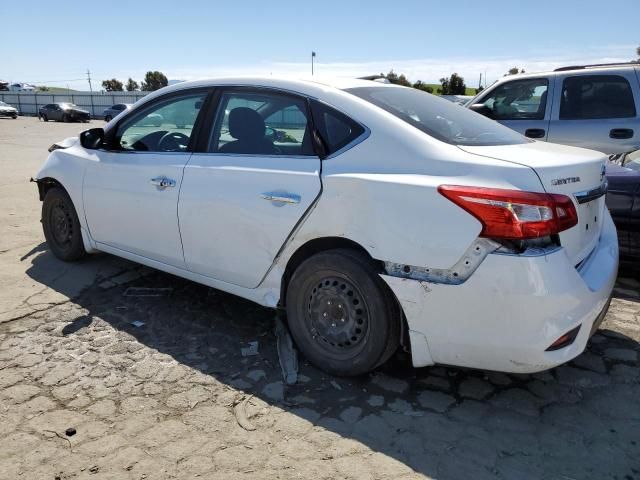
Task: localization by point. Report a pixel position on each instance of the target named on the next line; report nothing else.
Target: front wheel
(43, 117)
(341, 314)
(61, 226)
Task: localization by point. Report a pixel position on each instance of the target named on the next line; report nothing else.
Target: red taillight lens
(514, 214)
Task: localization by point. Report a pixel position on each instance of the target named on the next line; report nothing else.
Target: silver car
(591, 106)
(115, 110)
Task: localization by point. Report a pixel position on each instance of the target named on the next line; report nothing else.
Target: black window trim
(111, 131)
(596, 74)
(357, 140)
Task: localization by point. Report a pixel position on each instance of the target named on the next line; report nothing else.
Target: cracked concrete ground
(165, 399)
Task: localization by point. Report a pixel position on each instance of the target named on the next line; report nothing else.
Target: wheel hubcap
(338, 316)
(61, 225)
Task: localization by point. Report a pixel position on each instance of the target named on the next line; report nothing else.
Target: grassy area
(436, 86)
(59, 90)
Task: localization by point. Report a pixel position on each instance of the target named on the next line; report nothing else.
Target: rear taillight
(514, 214)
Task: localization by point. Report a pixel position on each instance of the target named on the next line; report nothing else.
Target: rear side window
(336, 129)
(596, 96)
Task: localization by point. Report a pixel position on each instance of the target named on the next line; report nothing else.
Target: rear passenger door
(521, 105)
(597, 111)
(243, 195)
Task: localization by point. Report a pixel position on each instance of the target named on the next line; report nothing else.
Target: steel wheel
(341, 314)
(338, 317)
(61, 226)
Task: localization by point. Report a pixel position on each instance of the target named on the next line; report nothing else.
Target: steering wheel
(173, 142)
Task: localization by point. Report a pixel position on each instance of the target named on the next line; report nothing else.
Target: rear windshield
(442, 119)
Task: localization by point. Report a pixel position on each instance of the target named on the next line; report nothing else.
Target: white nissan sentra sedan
(378, 216)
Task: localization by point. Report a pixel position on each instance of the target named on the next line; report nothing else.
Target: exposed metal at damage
(457, 274)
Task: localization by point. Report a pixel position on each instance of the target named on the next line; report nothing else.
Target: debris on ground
(70, 432)
(137, 323)
(287, 354)
(240, 412)
(335, 385)
(147, 292)
(251, 350)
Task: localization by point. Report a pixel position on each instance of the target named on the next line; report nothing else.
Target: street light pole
(313, 54)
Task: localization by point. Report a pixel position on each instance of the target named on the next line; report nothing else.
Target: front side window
(439, 118)
(596, 96)
(261, 123)
(165, 127)
(518, 100)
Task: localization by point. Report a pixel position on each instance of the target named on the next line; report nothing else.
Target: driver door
(130, 191)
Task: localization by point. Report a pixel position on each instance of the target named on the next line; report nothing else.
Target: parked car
(7, 110)
(115, 110)
(64, 112)
(388, 217)
(623, 200)
(591, 106)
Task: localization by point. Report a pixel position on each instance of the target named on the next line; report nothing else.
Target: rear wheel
(61, 226)
(44, 118)
(342, 316)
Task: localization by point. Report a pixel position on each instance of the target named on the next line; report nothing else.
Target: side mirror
(482, 109)
(92, 139)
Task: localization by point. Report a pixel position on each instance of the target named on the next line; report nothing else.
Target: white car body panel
(214, 228)
(125, 211)
(223, 214)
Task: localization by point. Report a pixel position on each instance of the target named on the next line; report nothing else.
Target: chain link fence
(28, 103)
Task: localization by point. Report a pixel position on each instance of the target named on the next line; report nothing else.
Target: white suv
(376, 215)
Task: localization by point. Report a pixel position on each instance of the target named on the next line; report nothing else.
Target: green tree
(514, 71)
(112, 85)
(398, 79)
(132, 85)
(42, 88)
(420, 85)
(154, 81)
(454, 85)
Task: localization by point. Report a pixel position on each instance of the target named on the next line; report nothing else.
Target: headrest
(246, 124)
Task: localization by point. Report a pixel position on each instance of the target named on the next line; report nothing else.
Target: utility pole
(313, 54)
(90, 90)
(480, 81)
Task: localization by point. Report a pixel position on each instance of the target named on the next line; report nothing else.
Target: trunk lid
(575, 172)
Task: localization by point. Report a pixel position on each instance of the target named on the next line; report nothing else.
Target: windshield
(444, 120)
(67, 105)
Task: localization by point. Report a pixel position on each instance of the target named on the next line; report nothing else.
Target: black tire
(15, 117)
(61, 226)
(65, 118)
(44, 118)
(108, 118)
(341, 314)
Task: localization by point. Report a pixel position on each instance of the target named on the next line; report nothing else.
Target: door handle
(620, 133)
(163, 182)
(281, 197)
(534, 132)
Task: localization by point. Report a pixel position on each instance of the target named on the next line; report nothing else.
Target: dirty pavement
(113, 370)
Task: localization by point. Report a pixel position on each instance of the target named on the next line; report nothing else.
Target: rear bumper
(511, 309)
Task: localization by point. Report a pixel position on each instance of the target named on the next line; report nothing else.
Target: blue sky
(192, 39)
